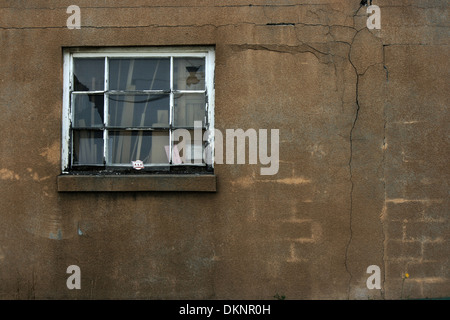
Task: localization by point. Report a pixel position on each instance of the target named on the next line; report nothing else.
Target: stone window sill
(132, 183)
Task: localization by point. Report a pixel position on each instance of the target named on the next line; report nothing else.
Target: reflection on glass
(87, 110)
(189, 107)
(189, 73)
(139, 74)
(87, 147)
(189, 145)
(149, 147)
(89, 74)
(139, 110)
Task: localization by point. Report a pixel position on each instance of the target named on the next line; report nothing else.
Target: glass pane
(189, 73)
(127, 146)
(189, 108)
(88, 110)
(89, 74)
(139, 110)
(87, 147)
(189, 148)
(139, 74)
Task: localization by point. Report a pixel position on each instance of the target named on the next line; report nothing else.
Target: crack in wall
(350, 164)
(382, 167)
(278, 5)
(387, 80)
(268, 24)
(383, 164)
(384, 209)
(304, 48)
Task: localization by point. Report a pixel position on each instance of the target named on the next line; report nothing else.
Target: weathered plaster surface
(363, 176)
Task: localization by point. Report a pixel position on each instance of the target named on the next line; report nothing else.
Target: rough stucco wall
(363, 176)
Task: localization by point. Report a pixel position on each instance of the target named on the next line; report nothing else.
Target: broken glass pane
(139, 110)
(89, 74)
(139, 74)
(189, 107)
(88, 110)
(87, 147)
(189, 73)
(128, 146)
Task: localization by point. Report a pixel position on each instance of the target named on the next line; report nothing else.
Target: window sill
(131, 183)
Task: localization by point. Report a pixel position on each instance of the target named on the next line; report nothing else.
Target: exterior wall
(363, 176)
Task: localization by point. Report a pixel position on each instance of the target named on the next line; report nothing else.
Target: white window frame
(156, 52)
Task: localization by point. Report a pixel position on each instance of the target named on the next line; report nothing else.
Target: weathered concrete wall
(364, 151)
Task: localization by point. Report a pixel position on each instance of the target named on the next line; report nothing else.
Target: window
(124, 107)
